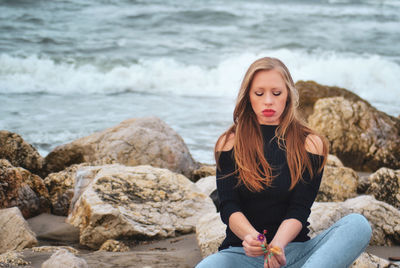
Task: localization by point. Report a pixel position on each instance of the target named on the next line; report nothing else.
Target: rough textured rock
(207, 185)
(19, 187)
(362, 137)
(311, 91)
(203, 171)
(19, 153)
(14, 230)
(142, 141)
(138, 203)
(367, 260)
(12, 259)
(334, 161)
(64, 259)
(338, 184)
(384, 218)
(384, 185)
(54, 249)
(61, 189)
(210, 232)
(363, 182)
(112, 245)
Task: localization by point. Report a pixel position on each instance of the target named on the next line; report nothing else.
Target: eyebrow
(274, 88)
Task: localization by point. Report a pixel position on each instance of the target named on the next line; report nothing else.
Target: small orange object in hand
(276, 250)
(268, 253)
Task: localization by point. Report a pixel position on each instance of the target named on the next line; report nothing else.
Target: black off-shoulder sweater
(268, 208)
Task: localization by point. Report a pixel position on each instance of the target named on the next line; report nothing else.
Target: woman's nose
(268, 98)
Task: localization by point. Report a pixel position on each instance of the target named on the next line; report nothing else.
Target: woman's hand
(275, 261)
(252, 246)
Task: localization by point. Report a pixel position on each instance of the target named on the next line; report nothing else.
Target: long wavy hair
(252, 168)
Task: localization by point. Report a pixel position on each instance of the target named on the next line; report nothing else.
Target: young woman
(269, 169)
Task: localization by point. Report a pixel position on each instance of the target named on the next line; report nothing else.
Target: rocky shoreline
(133, 196)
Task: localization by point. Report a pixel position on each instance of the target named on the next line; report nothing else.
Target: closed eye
(277, 93)
(258, 93)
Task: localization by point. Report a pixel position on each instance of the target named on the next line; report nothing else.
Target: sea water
(69, 68)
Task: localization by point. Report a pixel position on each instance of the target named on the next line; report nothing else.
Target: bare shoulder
(226, 142)
(314, 144)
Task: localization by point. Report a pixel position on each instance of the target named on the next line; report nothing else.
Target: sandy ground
(52, 230)
(181, 251)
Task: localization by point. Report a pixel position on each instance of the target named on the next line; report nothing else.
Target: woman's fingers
(281, 259)
(252, 246)
(271, 262)
(252, 251)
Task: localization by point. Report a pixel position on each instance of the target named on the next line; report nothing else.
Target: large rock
(136, 202)
(367, 260)
(19, 153)
(19, 187)
(210, 232)
(384, 218)
(14, 230)
(311, 91)
(362, 137)
(61, 188)
(64, 259)
(142, 141)
(338, 184)
(207, 185)
(384, 185)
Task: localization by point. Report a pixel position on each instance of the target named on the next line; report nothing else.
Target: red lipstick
(268, 112)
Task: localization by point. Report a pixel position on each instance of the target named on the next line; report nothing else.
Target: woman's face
(268, 95)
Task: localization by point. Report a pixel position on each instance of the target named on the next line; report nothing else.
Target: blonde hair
(248, 142)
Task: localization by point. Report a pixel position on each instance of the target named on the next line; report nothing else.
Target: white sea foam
(370, 76)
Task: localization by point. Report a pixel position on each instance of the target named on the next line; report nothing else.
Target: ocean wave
(370, 76)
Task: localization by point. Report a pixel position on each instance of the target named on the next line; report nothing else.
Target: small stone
(14, 230)
(13, 258)
(64, 259)
(114, 246)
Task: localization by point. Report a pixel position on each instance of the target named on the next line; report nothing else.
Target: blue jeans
(336, 247)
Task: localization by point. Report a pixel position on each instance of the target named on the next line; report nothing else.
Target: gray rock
(14, 230)
(142, 141)
(367, 260)
(210, 232)
(64, 259)
(207, 185)
(137, 202)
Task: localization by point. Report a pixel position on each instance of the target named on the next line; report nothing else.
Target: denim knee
(360, 226)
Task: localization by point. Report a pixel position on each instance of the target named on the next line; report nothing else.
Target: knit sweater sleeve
(226, 182)
(305, 192)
